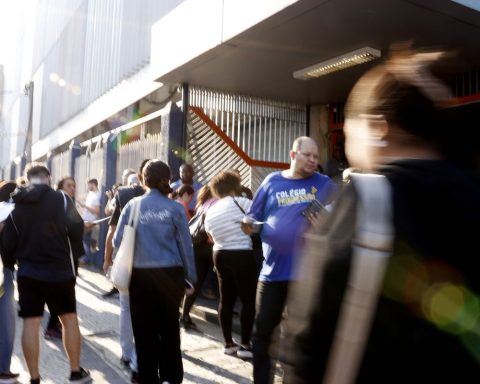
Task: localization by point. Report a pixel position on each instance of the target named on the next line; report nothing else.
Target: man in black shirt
(39, 233)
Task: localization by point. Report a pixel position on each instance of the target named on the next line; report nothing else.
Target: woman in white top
(233, 259)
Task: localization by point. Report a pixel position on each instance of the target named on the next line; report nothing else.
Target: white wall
(207, 23)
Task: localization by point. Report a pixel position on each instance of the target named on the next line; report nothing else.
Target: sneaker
(52, 333)
(245, 352)
(8, 378)
(80, 377)
(231, 349)
(110, 293)
(134, 377)
(35, 381)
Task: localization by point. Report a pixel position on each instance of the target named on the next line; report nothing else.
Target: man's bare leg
(31, 344)
(72, 339)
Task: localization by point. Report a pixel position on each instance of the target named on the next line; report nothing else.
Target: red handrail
(458, 101)
(251, 162)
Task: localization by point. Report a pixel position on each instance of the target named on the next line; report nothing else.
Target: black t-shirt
(121, 198)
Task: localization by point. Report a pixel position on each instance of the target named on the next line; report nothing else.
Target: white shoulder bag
(123, 262)
(372, 248)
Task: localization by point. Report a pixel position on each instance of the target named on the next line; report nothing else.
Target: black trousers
(237, 276)
(203, 263)
(155, 296)
(271, 298)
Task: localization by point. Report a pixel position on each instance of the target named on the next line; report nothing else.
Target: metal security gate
(212, 152)
(60, 166)
(131, 154)
(263, 129)
(89, 166)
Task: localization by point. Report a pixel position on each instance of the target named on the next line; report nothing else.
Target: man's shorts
(34, 294)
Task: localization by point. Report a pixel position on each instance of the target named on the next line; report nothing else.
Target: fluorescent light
(350, 59)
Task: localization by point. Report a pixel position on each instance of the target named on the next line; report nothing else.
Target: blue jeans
(126, 332)
(90, 257)
(7, 321)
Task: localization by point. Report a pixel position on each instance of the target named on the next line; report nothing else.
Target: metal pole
(28, 138)
(185, 106)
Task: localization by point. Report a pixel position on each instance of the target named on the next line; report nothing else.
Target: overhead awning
(261, 60)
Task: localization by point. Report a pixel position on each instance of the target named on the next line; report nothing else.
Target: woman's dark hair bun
(156, 174)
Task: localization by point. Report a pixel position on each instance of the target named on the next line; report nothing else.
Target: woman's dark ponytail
(164, 187)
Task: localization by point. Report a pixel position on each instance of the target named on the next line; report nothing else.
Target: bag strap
(135, 214)
(14, 225)
(372, 246)
(238, 205)
(72, 263)
(203, 212)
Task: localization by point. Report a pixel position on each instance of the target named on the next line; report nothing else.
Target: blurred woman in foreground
(425, 325)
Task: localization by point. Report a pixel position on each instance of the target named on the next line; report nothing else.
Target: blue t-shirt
(279, 202)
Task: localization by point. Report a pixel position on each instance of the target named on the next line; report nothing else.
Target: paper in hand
(5, 210)
(100, 220)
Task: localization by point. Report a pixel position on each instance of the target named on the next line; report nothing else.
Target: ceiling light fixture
(350, 59)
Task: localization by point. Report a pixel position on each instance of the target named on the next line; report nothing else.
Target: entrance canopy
(262, 59)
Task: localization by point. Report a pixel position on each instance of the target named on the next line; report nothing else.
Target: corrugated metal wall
(88, 47)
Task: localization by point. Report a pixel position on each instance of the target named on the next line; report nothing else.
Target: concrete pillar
(108, 179)
(22, 164)
(173, 140)
(49, 160)
(12, 170)
(319, 130)
(75, 152)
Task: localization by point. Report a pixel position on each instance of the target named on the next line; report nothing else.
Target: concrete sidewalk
(203, 358)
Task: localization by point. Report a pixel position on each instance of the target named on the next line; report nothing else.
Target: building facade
(99, 85)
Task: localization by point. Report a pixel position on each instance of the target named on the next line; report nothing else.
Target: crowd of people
(291, 252)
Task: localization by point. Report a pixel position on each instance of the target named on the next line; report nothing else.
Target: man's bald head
(301, 141)
(304, 157)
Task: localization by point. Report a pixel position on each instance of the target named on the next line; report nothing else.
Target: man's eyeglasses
(314, 156)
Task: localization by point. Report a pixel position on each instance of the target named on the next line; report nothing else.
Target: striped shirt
(222, 222)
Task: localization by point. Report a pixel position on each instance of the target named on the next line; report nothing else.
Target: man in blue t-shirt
(278, 205)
